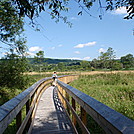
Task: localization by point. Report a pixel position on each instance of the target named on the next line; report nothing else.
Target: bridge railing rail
(22, 108)
(111, 121)
(26, 101)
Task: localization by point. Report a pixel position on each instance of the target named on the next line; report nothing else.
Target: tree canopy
(127, 61)
(33, 8)
(11, 27)
(39, 57)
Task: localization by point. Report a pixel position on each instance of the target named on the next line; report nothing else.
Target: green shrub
(11, 73)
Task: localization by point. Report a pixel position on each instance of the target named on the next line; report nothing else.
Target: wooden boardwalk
(51, 117)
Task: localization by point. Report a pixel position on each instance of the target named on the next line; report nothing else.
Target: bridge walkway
(51, 117)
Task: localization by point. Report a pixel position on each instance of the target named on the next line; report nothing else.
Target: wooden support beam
(67, 97)
(27, 110)
(18, 120)
(74, 107)
(83, 116)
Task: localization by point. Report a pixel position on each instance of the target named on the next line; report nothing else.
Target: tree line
(106, 61)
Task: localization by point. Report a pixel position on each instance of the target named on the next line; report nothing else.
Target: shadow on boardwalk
(51, 117)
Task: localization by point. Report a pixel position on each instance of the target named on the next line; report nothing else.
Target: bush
(11, 73)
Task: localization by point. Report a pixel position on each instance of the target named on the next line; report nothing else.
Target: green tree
(61, 66)
(39, 58)
(85, 65)
(107, 58)
(95, 63)
(33, 8)
(117, 65)
(11, 26)
(14, 64)
(127, 61)
(12, 69)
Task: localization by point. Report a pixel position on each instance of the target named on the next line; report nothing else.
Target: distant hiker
(54, 77)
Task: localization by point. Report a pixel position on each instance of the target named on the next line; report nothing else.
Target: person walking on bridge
(54, 77)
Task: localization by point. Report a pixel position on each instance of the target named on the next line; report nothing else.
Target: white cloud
(36, 48)
(74, 58)
(86, 58)
(119, 11)
(101, 50)
(86, 44)
(52, 48)
(60, 45)
(77, 52)
(30, 54)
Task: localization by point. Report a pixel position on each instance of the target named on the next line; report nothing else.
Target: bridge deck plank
(51, 117)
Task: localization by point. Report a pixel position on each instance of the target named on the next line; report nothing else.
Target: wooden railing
(26, 101)
(111, 121)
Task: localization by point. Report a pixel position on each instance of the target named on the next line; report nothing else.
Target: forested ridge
(106, 61)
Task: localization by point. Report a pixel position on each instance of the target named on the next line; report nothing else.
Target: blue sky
(85, 39)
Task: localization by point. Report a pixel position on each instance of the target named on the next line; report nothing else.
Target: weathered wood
(67, 97)
(74, 107)
(35, 109)
(83, 116)
(27, 110)
(76, 117)
(31, 113)
(10, 109)
(18, 120)
(50, 116)
(110, 120)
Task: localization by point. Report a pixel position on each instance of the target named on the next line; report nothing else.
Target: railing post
(67, 97)
(60, 90)
(62, 94)
(27, 106)
(18, 120)
(74, 107)
(27, 110)
(83, 116)
(65, 79)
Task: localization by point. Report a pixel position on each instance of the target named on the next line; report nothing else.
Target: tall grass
(114, 90)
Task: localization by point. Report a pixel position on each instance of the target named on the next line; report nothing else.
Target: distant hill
(55, 61)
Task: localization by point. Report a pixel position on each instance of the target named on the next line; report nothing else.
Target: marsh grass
(114, 90)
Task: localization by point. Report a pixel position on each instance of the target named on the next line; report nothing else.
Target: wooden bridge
(44, 109)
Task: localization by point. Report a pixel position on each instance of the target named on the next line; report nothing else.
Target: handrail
(111, 121)
(13, 108)
(29, 100)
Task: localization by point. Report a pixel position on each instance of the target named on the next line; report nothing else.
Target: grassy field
(115, 90)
